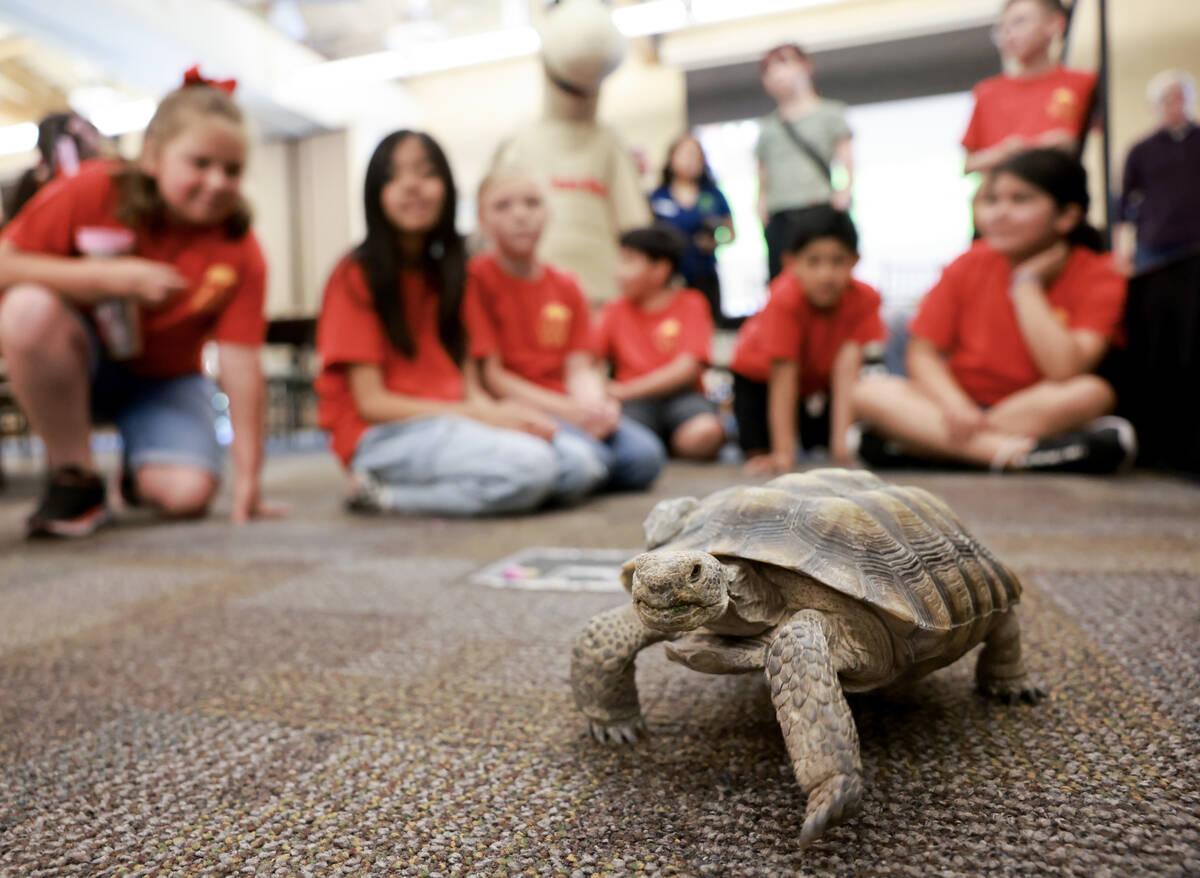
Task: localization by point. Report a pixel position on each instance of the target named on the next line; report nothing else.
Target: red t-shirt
(226, 277)
(349, 332)
(789, 328)
(1008, 105)
(970, 316)
(637, 341)
(531, 323)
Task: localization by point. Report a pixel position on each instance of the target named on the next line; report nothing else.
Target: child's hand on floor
(142, 279)
(249, 504)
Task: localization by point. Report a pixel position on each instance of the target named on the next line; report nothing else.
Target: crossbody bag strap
(807, 148)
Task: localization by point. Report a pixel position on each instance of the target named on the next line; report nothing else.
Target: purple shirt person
(1160, 196)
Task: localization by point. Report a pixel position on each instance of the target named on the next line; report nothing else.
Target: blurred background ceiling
(345, 28)
(310, 65)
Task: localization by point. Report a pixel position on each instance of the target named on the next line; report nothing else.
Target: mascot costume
(595, 193)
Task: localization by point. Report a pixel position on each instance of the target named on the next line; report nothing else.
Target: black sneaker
(880, 453)
(73, 505)
(127, 487)
(1106, 445)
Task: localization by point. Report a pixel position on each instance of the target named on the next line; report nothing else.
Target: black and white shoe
(878, 452)
(366, 495)
(1106, 445)
(72, 506)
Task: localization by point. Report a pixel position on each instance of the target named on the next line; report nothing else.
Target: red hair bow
(194, 77)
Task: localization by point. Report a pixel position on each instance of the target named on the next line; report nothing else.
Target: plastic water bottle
(118, 321)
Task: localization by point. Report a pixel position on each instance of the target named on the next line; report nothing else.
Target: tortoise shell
(897, 549)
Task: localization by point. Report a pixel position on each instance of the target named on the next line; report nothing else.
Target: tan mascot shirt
(594, 196)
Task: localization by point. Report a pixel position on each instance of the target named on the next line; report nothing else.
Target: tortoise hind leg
(817, 725)
(1000, 672)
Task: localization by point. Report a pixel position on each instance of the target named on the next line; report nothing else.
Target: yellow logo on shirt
(1063, 105)
(210, 294)
(666, 335)
(554, 325)
(1062, 315)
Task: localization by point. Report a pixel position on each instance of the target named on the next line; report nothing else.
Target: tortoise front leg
(1000, 672)
(602, 673)
(817, 725)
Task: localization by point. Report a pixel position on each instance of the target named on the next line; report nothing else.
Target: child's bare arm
(843, 154)
(377, 405)
(762, 194)
(1059, 138)
(846, 367)
(473, 389)
(242, 380)
(928, 371)
(583, 378)
(986, 159)
(1058, 351)
(679, 374)
(783, 397)
(88, 280)
(506, 384)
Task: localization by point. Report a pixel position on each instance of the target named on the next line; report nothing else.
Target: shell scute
(899, 549)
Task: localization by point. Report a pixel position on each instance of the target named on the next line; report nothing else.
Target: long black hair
(704, 181)
(1062, 178)
(443, 258)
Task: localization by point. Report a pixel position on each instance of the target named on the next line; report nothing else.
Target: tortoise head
(679, 591)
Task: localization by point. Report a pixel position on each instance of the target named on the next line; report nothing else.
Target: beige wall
(471, 111)
(322, 213)
(268, 189)
(822, 27)
(300, 190)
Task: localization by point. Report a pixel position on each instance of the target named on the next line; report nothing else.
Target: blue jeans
(450, 465)
(632, 455)
(581, 469)
(1146, 258)
(161, 420)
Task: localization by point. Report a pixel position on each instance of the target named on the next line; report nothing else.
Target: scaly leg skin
(817, 725)
(1000, 673)
(602, 674)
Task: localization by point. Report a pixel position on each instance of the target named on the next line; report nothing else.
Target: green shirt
(793, 178)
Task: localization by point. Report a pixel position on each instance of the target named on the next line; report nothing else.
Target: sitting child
(114, 280)
(413, 425)
(797, 360)
(657, 339)
(1003, 347)
(532, 339)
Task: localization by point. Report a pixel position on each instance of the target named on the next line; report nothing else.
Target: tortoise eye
(694, 576)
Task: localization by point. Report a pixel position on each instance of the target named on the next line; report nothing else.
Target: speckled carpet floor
(332, 696)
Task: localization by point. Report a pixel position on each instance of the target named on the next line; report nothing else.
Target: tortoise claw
(617, 733)
(1012, 692)
(829, 803)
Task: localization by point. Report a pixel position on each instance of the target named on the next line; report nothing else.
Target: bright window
(911, 200)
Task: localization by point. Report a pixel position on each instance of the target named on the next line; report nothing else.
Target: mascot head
(580, 45)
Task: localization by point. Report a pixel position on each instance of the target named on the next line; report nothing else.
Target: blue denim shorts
(161, 420)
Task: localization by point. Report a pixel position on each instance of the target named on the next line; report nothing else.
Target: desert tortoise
(832, 581)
